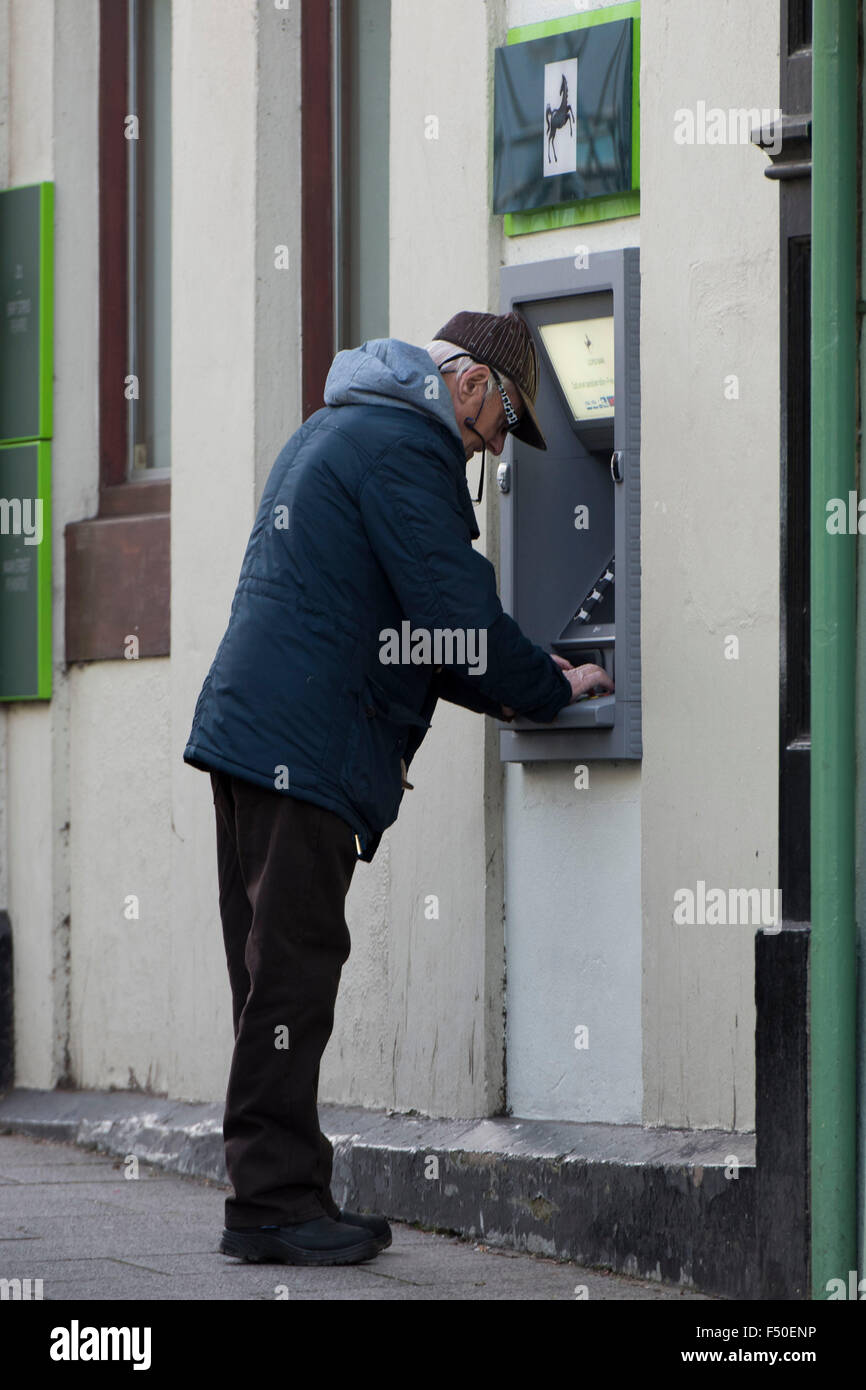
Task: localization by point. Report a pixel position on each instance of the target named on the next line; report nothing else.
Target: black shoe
(376, 1225)
(318, 1242)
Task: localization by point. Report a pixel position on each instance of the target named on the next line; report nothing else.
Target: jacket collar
(458, 454)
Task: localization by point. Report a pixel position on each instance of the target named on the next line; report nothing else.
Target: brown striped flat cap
(504, 342)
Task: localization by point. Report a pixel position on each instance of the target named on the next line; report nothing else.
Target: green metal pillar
(860, 823)
(833, 963)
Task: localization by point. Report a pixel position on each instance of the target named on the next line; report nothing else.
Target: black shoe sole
(263, 1248)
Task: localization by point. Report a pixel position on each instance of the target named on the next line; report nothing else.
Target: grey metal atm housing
(577, 591)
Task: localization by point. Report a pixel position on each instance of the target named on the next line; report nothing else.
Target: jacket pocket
(371, 774)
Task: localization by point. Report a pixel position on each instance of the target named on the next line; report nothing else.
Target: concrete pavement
(70, 1217)
(655, 1204)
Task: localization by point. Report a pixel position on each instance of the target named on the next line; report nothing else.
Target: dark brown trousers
(285, 867)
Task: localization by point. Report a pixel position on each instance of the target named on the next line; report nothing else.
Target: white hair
(440, 349)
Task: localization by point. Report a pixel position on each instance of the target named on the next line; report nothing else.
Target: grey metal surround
(547, 566)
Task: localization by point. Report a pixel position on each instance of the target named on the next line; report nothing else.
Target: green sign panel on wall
(26, 372)
(566, 142)
(26, 240)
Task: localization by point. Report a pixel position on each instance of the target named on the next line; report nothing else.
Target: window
(149, 236)
(346, 52)
(363, 44)
(118, 578)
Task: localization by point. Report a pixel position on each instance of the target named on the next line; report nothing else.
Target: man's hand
(587, 680)
(582, 679)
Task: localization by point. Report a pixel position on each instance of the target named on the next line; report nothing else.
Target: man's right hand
(587, 680)
(582, 679)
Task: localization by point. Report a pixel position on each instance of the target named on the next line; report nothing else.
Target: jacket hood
(387, 371)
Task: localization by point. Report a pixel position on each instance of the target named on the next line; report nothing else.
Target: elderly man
(308, 723)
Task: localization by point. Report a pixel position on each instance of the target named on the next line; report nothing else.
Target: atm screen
(581, 354)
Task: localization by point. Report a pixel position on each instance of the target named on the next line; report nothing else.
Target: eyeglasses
(510, 413)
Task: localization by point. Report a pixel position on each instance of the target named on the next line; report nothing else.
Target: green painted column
(833, 974)
(860, 823)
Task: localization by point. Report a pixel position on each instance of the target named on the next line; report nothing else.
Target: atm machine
(570, 516)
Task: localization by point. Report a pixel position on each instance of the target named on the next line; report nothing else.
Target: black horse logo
(555, 120)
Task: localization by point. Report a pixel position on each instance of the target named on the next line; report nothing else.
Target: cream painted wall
(123, 1019)
(37, 933)
(709, 775)
(572, 865)
(573, 942)
(710, 551)
(49, 86)
(30, 80)
(154, 1011)
(418, 1019)
(213, 442)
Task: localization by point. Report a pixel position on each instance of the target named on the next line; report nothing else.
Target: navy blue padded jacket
(365, 522)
